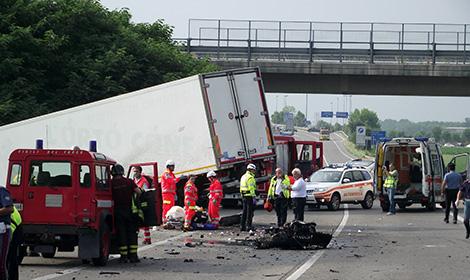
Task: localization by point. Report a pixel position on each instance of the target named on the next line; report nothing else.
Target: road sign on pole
(342, 115)
(327, 114)
(361, 136)
(376, 136)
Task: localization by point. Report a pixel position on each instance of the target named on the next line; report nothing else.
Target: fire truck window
(15, 175)
(85, 178)
(51, 173)
(305, 152)
(102, 177)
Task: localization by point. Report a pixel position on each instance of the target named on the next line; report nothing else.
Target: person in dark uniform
(124, 207)
(16, 241)
(6, 208)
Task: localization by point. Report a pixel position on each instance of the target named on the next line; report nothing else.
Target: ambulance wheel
(105, 241)
(49, 255)
(335, 202)
(368, 201)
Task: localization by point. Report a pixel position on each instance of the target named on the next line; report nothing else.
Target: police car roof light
(422, 139)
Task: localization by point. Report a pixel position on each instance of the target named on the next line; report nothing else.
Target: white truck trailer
(216, 121)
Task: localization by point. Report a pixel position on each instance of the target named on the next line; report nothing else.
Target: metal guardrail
(328, 41)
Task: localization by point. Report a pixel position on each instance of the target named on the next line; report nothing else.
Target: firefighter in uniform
(190, 199)
(247, 191)
(125, 209)
(279, 193)
(168, 183)
(16, 241)
(215, 197)
(6, 208)
(144, 186)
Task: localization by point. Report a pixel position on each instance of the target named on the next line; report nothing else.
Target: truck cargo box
(203, 122)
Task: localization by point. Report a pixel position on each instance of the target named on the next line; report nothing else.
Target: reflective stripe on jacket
(248, 184)
(15, 220)
(272, 187)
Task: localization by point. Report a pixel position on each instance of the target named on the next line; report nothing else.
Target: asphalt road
(414, 244)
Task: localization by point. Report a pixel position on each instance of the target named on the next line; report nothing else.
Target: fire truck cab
(65, 199)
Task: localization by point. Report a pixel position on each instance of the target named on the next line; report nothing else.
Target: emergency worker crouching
(125, 208)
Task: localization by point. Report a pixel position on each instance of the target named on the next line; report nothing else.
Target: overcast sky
(177, 12)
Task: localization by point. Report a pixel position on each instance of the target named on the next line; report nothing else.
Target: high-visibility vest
(15, 220)
(136, 209)
(391, 181)
(248, 184)
(272, 187)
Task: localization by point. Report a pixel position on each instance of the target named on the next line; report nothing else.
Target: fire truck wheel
(105, 240)
(49, 255)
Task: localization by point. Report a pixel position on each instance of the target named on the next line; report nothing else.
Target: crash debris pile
(294, 236)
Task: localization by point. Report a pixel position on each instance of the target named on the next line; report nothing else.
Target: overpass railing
(302, 41)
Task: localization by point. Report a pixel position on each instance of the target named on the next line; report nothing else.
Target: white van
(420, 169)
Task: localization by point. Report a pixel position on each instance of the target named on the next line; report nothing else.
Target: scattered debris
(188, 260)
(173, 253)
(296, 235)
(271, 275)
(189, 244)
(230, 220)
(333, 271)
(220, 257)
(109, 273)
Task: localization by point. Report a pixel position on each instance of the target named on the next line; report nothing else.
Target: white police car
(338, 184)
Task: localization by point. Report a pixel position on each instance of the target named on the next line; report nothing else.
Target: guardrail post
(280, 36)
(249, 52)
(371, 44)
(249, 42)
(433, 44)
(464, 43)
(340, 42)
(310, 43)
(218, 39)
(402, 41)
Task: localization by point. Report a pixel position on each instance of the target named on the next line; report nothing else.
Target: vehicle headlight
(320, 189)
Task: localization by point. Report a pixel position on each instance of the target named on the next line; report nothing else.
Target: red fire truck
(292, 153)
(65, 201)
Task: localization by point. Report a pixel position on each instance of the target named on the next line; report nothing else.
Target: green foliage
(363, 117)
(277, 117)
(56, 54)
(323, 124)
(454, 150)
(299, 119)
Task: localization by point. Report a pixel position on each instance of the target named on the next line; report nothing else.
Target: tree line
(57, 54)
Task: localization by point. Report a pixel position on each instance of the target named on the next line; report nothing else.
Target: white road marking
(341, 151)
(82, 267)
(312, 260)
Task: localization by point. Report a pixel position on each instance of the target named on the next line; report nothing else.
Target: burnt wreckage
(294, 236)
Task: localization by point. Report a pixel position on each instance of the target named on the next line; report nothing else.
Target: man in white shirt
(298, 194)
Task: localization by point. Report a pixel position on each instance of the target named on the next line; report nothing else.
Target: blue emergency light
(93, 147)
(39, 144)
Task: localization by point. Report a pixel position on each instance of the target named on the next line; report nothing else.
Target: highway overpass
(341, 58)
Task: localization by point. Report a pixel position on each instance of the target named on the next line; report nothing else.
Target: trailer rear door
(238, 115)
(255, 117)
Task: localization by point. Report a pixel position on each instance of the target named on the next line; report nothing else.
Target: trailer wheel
(368, 201)
(105, 241)
(335, 202)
